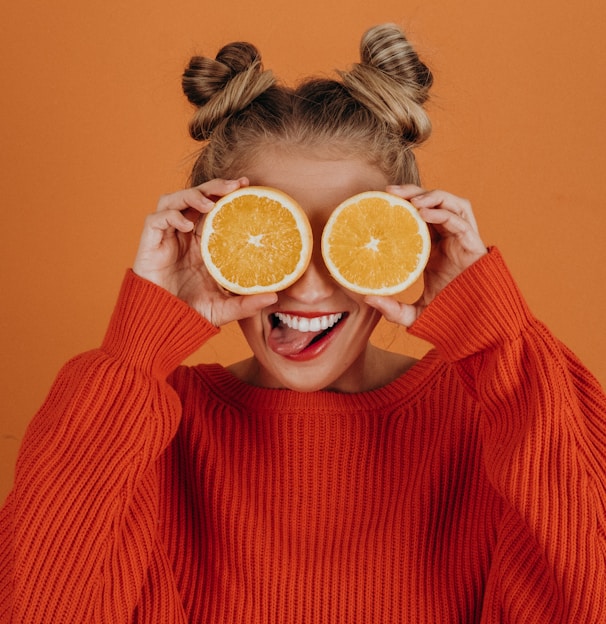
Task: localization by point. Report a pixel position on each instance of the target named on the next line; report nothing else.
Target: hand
(169, 254)
(456, 245)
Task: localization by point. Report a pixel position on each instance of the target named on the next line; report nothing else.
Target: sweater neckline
(406, 388)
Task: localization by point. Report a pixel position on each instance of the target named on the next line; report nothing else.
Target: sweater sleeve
(544, 438)
(78, 529)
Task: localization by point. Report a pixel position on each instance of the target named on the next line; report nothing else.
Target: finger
(394, 311)
(159, 224)
(238, 307)
(446, 201)
(201, 198)
(405, 191)
(219, 187)
(182, 200)
(449, 224)
(248, 305)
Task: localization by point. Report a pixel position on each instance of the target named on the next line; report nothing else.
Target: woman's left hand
(456, 245)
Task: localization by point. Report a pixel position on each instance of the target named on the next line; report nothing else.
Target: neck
(378, 368)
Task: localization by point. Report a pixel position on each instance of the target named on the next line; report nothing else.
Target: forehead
(317, 181)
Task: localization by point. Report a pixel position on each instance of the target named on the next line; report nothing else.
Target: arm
(543, 422)
(544, 434)
(79, 526)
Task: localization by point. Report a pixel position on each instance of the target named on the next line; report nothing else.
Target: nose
(315, 285)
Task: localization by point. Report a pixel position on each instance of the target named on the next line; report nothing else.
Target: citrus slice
(256, 239)
(376, 244)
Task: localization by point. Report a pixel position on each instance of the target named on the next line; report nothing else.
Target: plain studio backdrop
(94, 129)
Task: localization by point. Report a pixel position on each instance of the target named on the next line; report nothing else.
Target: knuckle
(163, 201)
(207, 183)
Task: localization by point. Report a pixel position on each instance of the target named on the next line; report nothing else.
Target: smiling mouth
(297, 336)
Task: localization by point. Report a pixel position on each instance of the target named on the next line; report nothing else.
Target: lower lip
(317, 348)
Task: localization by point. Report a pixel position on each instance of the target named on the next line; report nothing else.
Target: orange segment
(256, 239)
(376, 243)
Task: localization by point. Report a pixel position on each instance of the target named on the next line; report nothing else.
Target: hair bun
(223, 86)
(392, 82)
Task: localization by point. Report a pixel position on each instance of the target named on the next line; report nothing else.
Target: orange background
(93, 129)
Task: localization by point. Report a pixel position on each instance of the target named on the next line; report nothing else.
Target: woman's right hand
(169, 254)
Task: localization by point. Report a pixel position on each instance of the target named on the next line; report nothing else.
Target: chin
(309, 387)
(312, 380)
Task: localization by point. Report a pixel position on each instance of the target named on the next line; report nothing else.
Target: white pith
(305, 324)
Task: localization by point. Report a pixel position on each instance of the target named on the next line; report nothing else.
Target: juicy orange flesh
(255, 241)
(375, 244)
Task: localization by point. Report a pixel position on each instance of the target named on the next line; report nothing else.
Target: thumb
(394, 311)
(240, 307)
(251, 304)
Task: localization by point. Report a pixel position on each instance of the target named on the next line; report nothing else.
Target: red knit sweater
(472, 489)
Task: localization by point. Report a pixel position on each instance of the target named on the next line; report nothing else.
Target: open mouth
(302, 337)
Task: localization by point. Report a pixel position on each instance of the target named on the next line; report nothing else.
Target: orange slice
(256, 240)
(376, 244)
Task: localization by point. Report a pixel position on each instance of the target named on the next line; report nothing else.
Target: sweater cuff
(152, 329)
(481, 309)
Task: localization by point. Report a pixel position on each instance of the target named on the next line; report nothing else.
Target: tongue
(286, 341)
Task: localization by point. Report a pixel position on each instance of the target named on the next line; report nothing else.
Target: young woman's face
(332, 357)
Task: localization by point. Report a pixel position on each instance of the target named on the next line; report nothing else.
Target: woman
(323, 479)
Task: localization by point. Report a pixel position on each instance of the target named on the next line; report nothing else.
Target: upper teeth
(304, 324)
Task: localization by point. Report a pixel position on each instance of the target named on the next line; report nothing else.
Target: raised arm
(78, 528)
(543, 422)
(544, 439)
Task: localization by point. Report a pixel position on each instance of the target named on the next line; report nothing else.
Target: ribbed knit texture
(472, 489)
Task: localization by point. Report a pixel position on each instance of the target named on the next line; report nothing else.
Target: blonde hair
(375, 111)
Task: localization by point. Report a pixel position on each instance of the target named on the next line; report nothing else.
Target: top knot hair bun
(392, 82)
(223, 86)
(374, 111)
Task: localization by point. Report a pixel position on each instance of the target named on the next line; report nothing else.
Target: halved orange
(256, 239)
(376, 244)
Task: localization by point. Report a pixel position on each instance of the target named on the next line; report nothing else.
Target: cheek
(371, 315)
(253, 330)
(372, 318)
(369, 319)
